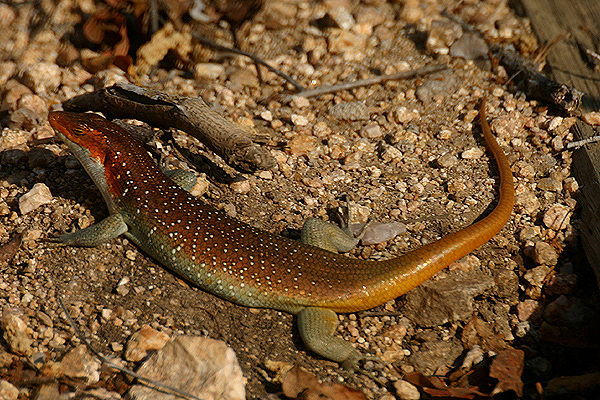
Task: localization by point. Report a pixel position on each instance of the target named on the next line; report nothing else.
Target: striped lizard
(244, 264)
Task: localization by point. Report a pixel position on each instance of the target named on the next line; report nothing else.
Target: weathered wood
(578, 18)
(192, 115)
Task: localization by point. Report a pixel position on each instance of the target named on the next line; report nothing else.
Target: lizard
(244, 264)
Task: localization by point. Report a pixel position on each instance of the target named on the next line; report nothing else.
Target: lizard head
(103, 148)
(84, 131)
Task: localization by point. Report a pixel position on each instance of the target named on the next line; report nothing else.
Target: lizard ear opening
(80, 130)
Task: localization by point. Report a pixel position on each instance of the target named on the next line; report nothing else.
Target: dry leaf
(507, 367)
(434, 386)
(107, 28)
(302, 385)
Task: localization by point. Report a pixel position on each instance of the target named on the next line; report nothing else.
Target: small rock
(592, 118)
(522, 329)
(466, 264)
(48, 391)
(267, 115)
(402, 115)
(549, 184)
(37, 196)
(350, 45)
(390, 153)
(13, 91)
(78, 364)
(340, 14)
(557, 217)
(201, 186)
(102, 394)
(371, 131)
(116, 347)
(525, 170)
(406, 390)
(543, 253)
(571, 185)
(130, 255)
(268, 175)
(122, 290)
(44, 318)
(241, 186)
(445, 300)
(529, 233)
(10, 138)
(470, 46)
(509, 126)
(302, 144)
(507, 284)
(25, 119)
(537, 275)
(359, 213)
(8, 391)
(526, 199)
(299, 120)
(143, 342)
(321, 129)
(435, 354)
(447, 160)
(300, 102)
(204, 367)
(379, 232)
(208, 71)
(42, 77)
(15, 333)
(562, 283)
(350, 111)
(442, 34)
(34, 103)
(474, 153)
(530, 310)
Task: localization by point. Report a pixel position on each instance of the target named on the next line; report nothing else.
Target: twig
(365, 82)
(127, 371)
(254, 58)
(583, 142)
(192, 115)
(526, 76)
(381, 314)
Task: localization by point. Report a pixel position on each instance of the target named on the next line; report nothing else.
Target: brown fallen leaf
(108, 29)
(436, 387)
(302, 385)
(507, 367)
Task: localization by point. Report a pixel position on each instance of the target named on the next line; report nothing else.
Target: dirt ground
(418, 158)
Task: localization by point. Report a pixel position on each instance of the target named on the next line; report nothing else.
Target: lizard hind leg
(317, 326)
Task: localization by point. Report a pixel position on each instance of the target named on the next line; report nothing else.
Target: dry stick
(254, 58)
(127, 371)
(579, 143)
(366, 82)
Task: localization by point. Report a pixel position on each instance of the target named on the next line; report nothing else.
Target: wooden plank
(579, 19)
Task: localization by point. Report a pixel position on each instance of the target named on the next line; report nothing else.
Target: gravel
(407, 151)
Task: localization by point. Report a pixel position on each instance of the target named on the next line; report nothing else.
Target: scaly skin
(244, 264)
